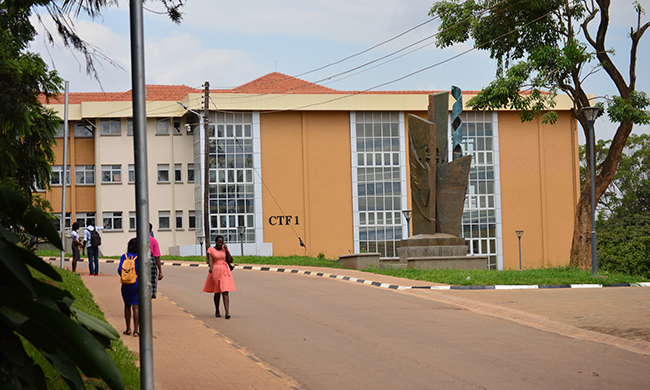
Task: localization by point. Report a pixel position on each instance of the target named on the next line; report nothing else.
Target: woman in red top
(219, 279)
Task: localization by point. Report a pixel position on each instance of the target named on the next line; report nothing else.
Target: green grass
(123, 358)
(543, 276)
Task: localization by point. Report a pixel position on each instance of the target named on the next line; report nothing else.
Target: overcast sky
(229, 43)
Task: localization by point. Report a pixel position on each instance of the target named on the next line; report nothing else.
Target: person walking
(219, 280)
(76, 245)
(93, 240)
(130, 291)
(156, 265)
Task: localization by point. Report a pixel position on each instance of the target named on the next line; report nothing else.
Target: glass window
(129, 126)
(177, 126)
(112, 220)
(162, 127)
(131, 173)
(191, 219)
(84, 174)
(111, 173)
(178, 173)
(190, 173)
(131, 220)
(163, 173)
(83, 130)
(57, 175)
(163, 220)
(57, 223)
(179, 219)
(59, 131)
(110, 127)
(85, 219)
(378, 182)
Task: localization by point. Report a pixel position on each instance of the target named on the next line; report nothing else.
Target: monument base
(438, 251)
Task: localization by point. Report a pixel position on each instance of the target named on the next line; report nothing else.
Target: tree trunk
(581, 245)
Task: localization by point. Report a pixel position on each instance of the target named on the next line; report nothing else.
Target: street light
(519, 234)
(407, 215)
(591, 113)
(200, 238)
(242, 230)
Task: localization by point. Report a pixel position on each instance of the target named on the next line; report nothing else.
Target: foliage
(42, 313)
(543, 276)
(624, 244)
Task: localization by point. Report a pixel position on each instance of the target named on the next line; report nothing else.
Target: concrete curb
(384, 285)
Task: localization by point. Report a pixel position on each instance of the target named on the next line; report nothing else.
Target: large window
(179, 219)
(111, 173)
(57, 175)
(191, 219)
(378, 174)
(190, 173)
(57, 223)
(163, 173)
(84, 174)
(85, 219)
(481, 221)
(110, 127)
(232, 179)
(178, 173)
(132, 223)
(112, 220)
(162, 127)
(177, 126)
(164, 222)
(83, 130)
(131, 173)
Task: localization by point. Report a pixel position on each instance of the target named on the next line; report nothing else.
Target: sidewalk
(188, 354)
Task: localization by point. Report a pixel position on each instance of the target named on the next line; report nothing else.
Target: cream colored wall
(539, 184)
(306, 167)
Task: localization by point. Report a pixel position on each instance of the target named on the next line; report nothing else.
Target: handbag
(229, 260)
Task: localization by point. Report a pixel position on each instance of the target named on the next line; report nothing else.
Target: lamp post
(519, 234)
(591, 113)
(200, 238)
(242, 230)
(407, 215)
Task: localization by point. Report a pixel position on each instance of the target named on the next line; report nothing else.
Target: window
(110, 127)
(129, 126)
(163, 173)
(190, 173)
(232, 185)
(85, 219)
(178, 173)
(162, 127)
(131, 173)
(177, 126)
(59, 131)
(131, 220)
(57, 223)
(378, 190)
(57, 175)
(84, 174)
(163, 220)
(179, 219)
(191, 222)
(83, 130)
(113, 219)
(111, 173)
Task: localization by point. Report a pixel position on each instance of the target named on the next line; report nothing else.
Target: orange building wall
(538, 189)
(306, 167)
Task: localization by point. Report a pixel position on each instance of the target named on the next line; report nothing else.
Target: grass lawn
(542, 276)
(123, 358)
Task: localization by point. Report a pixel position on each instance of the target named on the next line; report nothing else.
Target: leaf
(96, 325)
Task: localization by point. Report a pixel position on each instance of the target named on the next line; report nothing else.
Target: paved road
(330, 334)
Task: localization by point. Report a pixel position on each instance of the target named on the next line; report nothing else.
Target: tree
(538, 53)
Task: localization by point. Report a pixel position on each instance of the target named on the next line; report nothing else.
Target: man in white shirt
(93, 250)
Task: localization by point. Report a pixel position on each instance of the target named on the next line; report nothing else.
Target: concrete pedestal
(438, 251)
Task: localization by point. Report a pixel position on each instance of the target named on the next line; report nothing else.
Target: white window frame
(131, 169)
(129, 126)
(178, 173)
(111, 126)
(163, 169)
(191, 219)
(132, 221)
(67, 222)
(178, 219)
(190, 173)
(164, 220)
(113, 218)
(162, 127)
(57, 171)
(115, 171)
(84, 175)
(85, 217)
(84, 130)
(176, 126)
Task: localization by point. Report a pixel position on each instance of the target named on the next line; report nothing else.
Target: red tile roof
(272, 83)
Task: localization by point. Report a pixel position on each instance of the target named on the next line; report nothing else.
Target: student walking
(129, 291)
(76, 245)
(220, 280)
(156, 265)
(93, 240)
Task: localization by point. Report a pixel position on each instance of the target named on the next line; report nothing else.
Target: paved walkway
(188, 353)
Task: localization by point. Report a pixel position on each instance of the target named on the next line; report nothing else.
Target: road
(329, 334)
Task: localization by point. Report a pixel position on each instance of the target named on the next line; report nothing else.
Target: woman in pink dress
(219, 279)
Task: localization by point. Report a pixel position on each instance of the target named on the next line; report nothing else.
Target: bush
(624, 244)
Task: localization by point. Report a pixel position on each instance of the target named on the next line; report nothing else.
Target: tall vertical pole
(592, 163)
(206, 173)
(519, 253)
(141, 193)
(65, 173)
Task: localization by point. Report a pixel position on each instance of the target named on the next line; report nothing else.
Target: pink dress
(220, 279)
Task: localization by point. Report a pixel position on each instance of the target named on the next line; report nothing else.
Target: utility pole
(206, 173)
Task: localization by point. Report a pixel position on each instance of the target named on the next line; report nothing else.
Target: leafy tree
(42, 313)
(536, 46)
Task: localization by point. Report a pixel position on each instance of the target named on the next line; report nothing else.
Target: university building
(308, 170)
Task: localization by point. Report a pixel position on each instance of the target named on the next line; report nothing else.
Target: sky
(229, 43)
